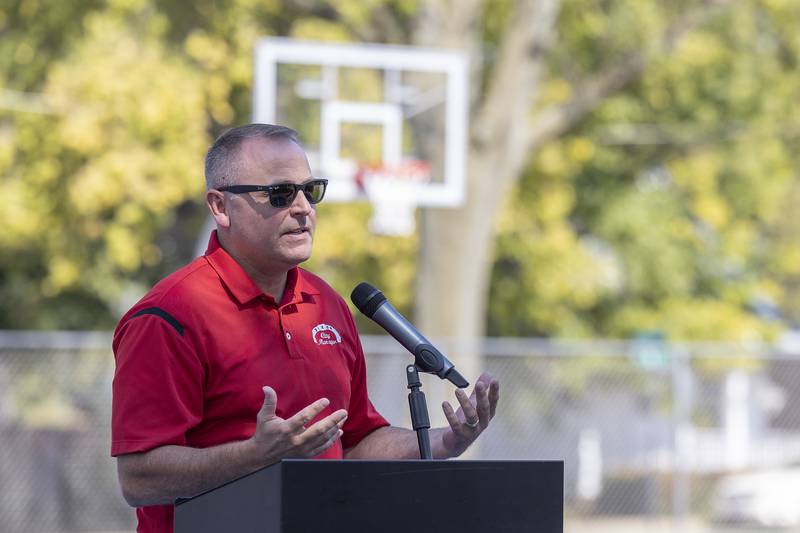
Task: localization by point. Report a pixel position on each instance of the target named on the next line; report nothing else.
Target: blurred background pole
(682, 433)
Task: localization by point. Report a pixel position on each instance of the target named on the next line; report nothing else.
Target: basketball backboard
(382, 122)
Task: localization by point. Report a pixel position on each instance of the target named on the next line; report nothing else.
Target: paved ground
(651, 525)
(637, 525)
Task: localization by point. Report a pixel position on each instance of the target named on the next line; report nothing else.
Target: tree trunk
(457, 245)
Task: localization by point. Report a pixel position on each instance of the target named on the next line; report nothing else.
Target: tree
(106, 111)
(454, 282)
(672, 190)
(617, 159)
(96, 175)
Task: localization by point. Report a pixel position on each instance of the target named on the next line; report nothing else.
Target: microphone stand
(419, 412)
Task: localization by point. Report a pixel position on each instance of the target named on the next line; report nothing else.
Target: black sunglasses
(282, 194)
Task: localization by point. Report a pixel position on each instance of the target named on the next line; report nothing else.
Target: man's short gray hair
(222, 161)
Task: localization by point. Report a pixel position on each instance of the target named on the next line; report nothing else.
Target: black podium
(323, 496)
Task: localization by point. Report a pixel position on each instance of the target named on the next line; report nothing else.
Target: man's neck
(271, 283)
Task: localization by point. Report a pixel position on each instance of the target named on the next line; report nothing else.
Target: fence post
(682, 433)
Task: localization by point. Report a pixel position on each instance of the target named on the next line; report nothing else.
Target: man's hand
(276, 438)
(160, 475)
(473, 416)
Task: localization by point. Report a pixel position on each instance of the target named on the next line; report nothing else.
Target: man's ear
(216, 204)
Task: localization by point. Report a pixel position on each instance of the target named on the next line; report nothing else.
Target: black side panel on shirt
(163, 314)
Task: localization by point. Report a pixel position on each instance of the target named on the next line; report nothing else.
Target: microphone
(371, 302)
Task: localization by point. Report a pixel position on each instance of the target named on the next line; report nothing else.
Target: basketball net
(393, 191)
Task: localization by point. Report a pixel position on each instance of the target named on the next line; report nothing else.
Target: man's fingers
(470, 413)
(450, 415)
(330, 442)
(270, 402)
(306, 414)
(321, 428)
(324, 433)
(482, 403)
(485, 378)
(333, 421)
(494, 397)
(332, 433)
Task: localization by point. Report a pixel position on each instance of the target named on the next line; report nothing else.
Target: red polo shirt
(193, 355)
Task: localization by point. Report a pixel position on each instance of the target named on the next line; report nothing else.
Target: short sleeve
(362, 417)
(157, 392)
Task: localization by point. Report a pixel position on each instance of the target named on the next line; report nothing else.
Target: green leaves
(672, 206)
(98, 177)
(690, 189)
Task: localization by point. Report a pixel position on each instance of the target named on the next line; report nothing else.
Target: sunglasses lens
(282, 195)
(314, 191)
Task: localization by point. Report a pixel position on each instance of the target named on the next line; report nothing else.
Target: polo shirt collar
(244, 289)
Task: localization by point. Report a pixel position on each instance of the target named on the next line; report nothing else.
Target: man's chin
(290, 252)
(302, 259)
(296, 257)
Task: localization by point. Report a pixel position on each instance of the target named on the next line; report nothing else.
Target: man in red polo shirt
(241, 359)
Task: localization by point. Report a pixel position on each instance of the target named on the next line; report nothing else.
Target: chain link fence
(655, 436)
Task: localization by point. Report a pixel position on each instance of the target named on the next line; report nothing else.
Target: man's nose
(300, 204)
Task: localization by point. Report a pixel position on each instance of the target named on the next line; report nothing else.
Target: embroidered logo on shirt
(325, 334)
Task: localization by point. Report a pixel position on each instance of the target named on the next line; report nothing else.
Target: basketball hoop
(295, 81)
(393, 191)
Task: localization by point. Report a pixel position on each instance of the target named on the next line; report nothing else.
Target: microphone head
(367, 298)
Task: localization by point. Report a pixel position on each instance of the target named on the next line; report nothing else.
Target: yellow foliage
(81, 129)
(319, 30)
(683, 229)
(780, 4)
(130, 214)
(656, 94)
(96, 188)
(699, 49)
(693, 319)
(94, 183)
(210, 51)
(555, 202)
(43, 174)
(6, 150)
(697, 173)
(219, 90)
(24, 53)
(128, 5)
(124, 148)
(122, 248)
(19, 218)
(63, 273)
(346, 253)
(788, 259)
(740, 237)
(706, 319)
(712, 209)
(551, 159)
(580, 149)
(357, 13)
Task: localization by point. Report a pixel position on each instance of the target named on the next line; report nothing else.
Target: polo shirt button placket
(290, 345)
